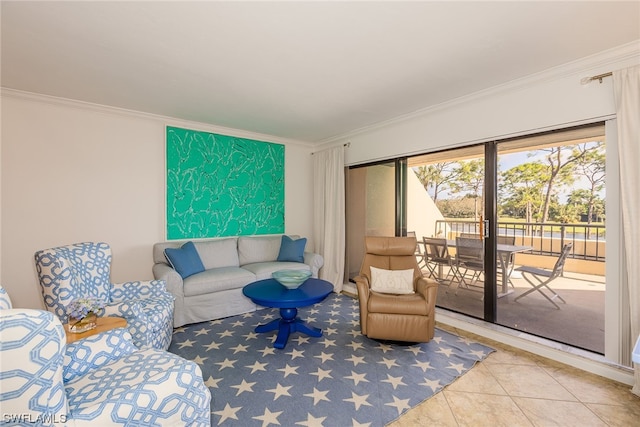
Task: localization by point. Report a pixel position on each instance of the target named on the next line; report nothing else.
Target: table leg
(504, 265)
(287, 324)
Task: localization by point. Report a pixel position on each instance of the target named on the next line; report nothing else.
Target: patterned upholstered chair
(101, 380)
(83, 270)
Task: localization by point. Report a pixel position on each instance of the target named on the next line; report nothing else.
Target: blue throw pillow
(292, 250)
(184, 260)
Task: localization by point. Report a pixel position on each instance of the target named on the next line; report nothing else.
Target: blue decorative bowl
(291, 279)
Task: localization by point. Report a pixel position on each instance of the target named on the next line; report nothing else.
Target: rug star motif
(310, 320)
(465, 340)
(318, 396)
(187, 343)
(394, 381)
(423, 365)
(213, 346)
(334, 313)
(446, 351)
(388, 362)
(357, 424)
(179, 329)
(244, 386)
(202, 331)
(268, 417)
(355, 345)
(358, 400)
(458, 367)
(355, 322)
(227, 413)
(239, 348)
(357, 378)
(328, 343)
(257, 366)
(280, 390)
(354, 333)
(437, 340)
(312, 421)
(415, 350)
(199, 360)
(289, 370)
(356, 360)
(267, 350)
(301, 339)
(385, 347)
(325, 356)
(237, 323)
(226, 364)
(226, 333)
(251, 336)
(295, 353)
(321, 374)
(212, 382)
(399, 404)
(480, 354)
(314, 311)
(330, 331)
(333, 321)
(215, 322)
(432, 384)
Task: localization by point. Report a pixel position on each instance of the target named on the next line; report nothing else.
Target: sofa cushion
(218, 253)
(217, 279)
(253, 249)
(185, 260)
(263, 270)
(292, 250)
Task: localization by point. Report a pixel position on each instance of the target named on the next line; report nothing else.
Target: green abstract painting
(220, 185)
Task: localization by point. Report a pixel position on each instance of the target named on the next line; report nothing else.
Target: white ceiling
(307, 71)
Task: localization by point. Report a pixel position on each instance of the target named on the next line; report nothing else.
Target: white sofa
(230, 264)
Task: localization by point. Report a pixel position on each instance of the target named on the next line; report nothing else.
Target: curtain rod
(599, 77)
(346, 144)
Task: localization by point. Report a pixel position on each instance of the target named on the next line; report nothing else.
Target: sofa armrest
(32, 352)
(128, 291)
(428, 288)
(173, 280)
(315, 261)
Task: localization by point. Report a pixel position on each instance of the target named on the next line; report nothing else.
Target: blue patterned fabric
(84, 269)
(5, 301)
(32, 353)
(101, 380)
(152, 387)
(93, 352)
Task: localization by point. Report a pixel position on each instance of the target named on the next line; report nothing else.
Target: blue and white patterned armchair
(100, 380)
(84, 270)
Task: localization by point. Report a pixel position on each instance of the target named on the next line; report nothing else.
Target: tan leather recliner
(398, 317)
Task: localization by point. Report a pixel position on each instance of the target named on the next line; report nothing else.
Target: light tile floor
(513, 388)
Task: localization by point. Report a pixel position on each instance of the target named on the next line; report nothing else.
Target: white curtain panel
(329, 213)
(626, 86)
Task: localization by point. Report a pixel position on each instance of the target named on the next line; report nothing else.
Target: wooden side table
(103, 324)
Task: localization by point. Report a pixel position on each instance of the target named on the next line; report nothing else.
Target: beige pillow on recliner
(392, 281)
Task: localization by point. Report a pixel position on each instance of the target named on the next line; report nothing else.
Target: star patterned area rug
(337, 380)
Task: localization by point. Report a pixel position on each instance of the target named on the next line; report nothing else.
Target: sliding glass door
(503, 211)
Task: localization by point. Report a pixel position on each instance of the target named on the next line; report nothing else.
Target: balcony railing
(545, 239)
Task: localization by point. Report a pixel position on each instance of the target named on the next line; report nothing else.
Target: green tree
(592, 167)
(437, 177)
(470, 182)
(523, 186)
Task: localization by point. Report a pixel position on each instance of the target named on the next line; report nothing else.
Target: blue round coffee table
(270, 293)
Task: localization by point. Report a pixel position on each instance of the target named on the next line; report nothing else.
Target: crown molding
(585, 67)
(166, 120)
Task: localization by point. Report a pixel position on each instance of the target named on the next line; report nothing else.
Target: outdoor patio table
(504, 252)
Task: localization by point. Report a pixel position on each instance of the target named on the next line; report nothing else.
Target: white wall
(75, 172)
(549, 100)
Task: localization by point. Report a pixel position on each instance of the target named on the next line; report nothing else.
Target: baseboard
(581, 359)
